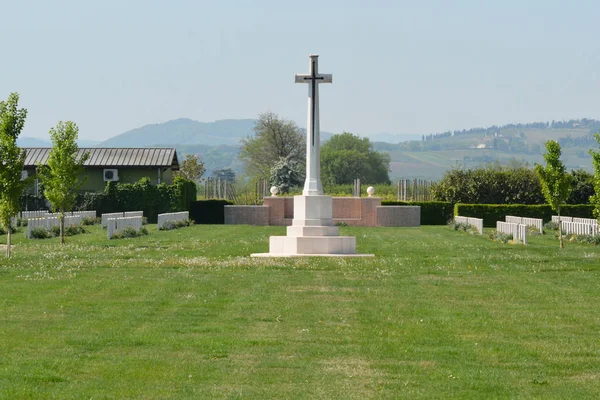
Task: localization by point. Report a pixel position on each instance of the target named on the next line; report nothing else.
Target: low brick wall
(247, 215)
(281, 210)
(356, 211)
(398, 216)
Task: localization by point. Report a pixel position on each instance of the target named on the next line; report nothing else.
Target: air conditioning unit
(24, 175)
(111, 175)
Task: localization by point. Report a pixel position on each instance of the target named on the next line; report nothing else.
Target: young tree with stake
(61, 174)
(556, 182)
(12, 160)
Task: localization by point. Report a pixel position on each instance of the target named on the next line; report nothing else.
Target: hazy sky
(398, 66)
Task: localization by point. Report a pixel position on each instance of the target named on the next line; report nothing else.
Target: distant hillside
(187, 132)
(431, 156)
(184, 131)
(27, 141)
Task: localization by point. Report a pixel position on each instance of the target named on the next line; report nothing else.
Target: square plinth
(313, 211)
(312, 245)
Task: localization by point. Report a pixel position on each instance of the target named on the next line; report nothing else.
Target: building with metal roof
(127, 165)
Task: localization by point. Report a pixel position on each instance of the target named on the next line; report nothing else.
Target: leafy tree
(286, 174)
(274, 138)
(225, 174)
(191, 168)
(595, 199)
(582, 187)
(556, 182)
(61, 174)
(12, 160)
(346, 157)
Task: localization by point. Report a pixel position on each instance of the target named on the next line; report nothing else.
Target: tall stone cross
(312, 185)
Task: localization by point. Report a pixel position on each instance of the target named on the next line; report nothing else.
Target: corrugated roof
(112, 157)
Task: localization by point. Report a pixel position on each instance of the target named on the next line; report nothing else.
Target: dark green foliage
(90, 221)
(31, 202)
(582, 187)
(494, 185)
(208, 211)
(346, 157)
(140, 196)
(432, 212)
(491, 213)
(41, 233)
(130, 232)
(595, 199)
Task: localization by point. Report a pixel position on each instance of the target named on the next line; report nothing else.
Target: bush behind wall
(140, 196)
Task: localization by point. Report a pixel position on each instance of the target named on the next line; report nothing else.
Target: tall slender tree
(61, 174)
(556, 182)
(12, 160)
(595, 199)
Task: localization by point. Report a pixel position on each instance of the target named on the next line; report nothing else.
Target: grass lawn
(187, 314)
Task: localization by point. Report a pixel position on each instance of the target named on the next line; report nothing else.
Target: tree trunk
(62, 228)
(8, 237)
(560, 237)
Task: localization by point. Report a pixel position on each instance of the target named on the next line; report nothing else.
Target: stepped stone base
(312, 233)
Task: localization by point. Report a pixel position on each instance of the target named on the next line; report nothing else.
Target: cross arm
(321, 78)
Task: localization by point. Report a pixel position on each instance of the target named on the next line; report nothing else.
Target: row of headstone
(589, 221)
(537, 223)
(107, 216)
(32, 214)
(518, 231)
(166, 217)
(116, 225)
(477, 223)
(579, 228)
(50, 222)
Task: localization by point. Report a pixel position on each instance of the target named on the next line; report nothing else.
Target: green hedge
(209, 211)
(432, 212)
(140, 196)
(490, 213)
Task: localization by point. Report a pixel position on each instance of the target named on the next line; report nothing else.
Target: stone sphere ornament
(274, 190)
(370, 191)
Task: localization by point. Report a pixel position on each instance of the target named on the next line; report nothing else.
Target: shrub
(586, 239)
(485, 185)
(140, 196)
(169, 225)
(73, 230)
(462, 227)
(90, 221)
(432, 212)
(551, 226)
(209, 211)
(500, 237)
(41, 233)
(130, 232)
